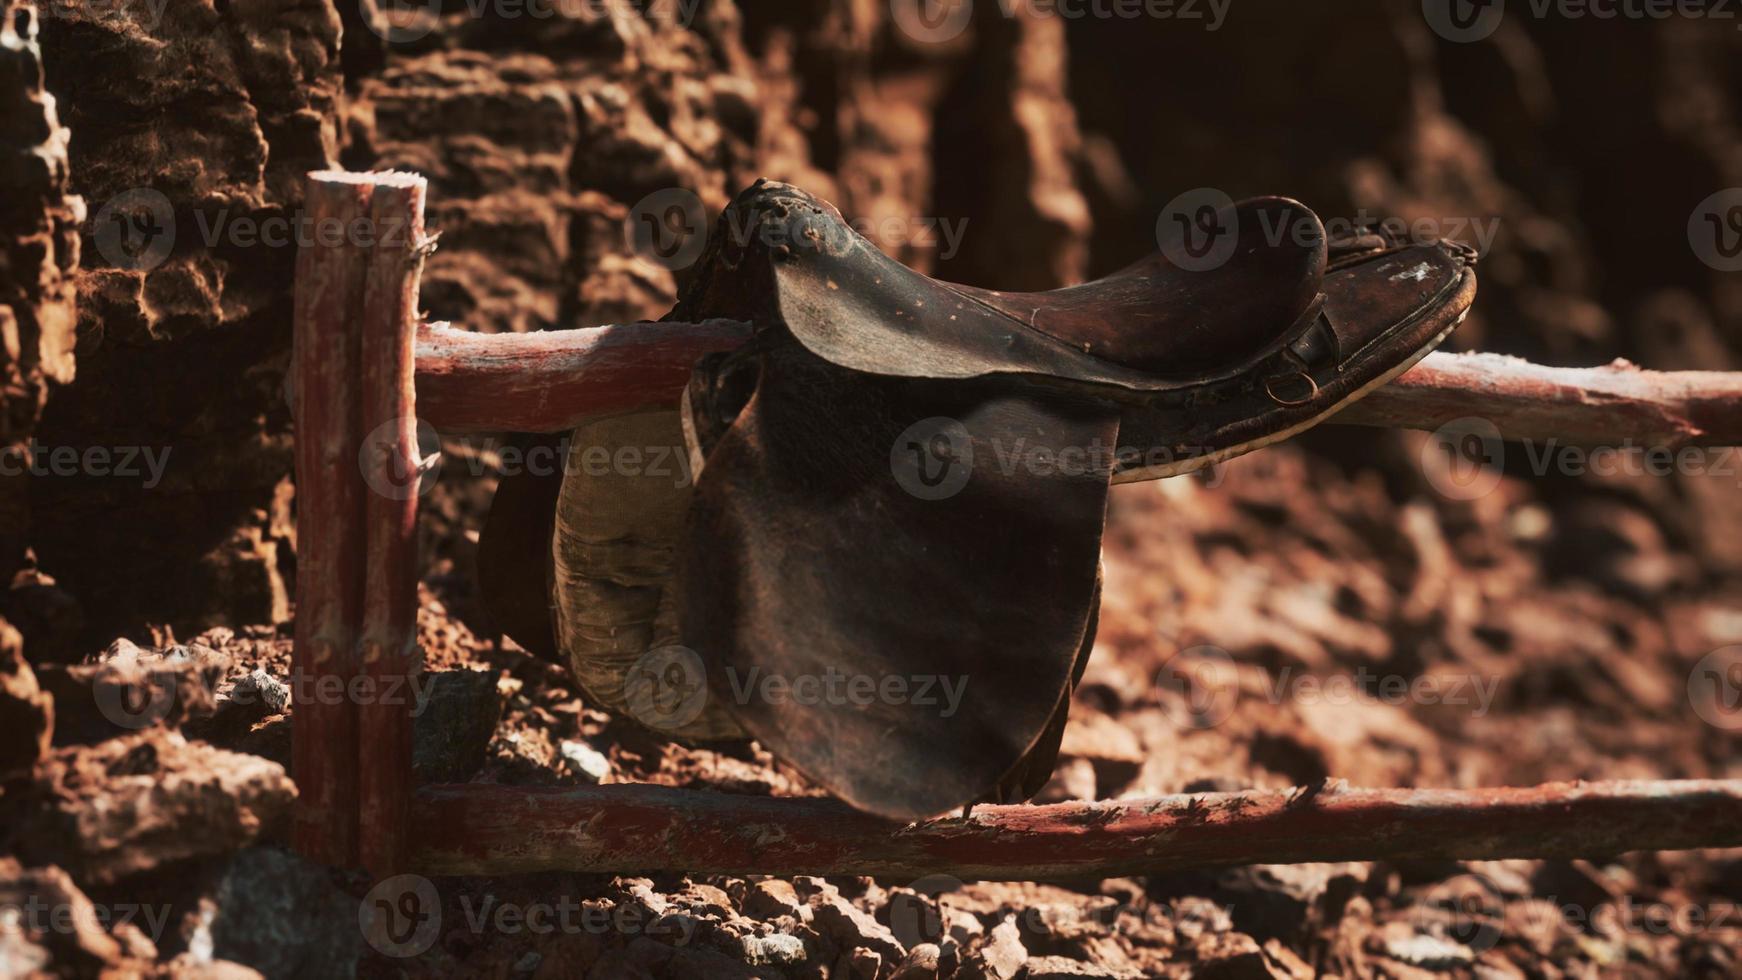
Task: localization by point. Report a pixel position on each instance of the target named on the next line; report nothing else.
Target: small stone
(1059, 967)
(284, 915)
(865, 963)
(88, 809)
(772, 899)
(1074, 779)
(850, 928)
(776, 950)
(75, 940)
(1108, 746)
(586, 761)
(962, 926)
(257, 685)
(26, 713)
(457, 712)
(1004, 956)
(127, 689)
(706, 900)
(121, 649)
(1427, 952)
(920, 963)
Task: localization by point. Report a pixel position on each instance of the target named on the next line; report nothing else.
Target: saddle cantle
(889, 560)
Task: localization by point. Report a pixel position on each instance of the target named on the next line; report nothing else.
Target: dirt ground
(1224, 594)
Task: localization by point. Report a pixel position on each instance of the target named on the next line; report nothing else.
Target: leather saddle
(888, 565)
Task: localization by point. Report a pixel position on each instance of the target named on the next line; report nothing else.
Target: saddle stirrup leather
(905, 481)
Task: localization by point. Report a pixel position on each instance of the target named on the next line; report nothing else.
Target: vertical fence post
(392, 469)
(326, 378)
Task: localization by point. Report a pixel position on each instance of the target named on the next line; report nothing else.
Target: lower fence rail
(475, 829)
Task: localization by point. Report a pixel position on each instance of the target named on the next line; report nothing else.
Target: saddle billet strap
(514, 551)
(889, 595)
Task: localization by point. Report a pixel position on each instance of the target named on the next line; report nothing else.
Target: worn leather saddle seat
(901, 483)
(1149, 327)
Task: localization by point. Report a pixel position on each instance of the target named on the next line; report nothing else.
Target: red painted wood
(389, 460)
(547, 382)
(550, 381)
(490, 829)
(329, 504)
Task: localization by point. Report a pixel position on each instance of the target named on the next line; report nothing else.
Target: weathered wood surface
(549, 382)
(487, 829)
(1616, 404)
(326, 375)
(389, 462)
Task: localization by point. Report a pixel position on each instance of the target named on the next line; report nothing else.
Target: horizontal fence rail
(479, 829)
(550, 381)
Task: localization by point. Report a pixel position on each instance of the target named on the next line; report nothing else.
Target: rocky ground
(159, 841)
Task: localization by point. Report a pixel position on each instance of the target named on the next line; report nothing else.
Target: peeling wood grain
(1612, 405)
(482, 829)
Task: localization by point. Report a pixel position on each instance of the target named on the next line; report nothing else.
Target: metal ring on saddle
(1270, 389)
